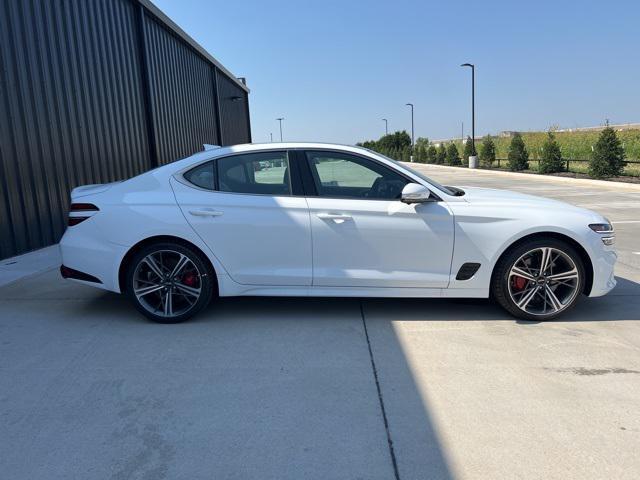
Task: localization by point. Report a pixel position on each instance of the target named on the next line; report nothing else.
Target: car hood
(508, 198)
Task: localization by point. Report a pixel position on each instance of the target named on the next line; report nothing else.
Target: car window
(202, 176)
(349, 176)
(264, 173)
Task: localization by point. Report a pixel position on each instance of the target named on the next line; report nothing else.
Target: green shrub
(551, 159)
(432, 154)
(453, 157)
(487, 152)
(468, 149)
(441, 155)
(608, 155)
(518, 155)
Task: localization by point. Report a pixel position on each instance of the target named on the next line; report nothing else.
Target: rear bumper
(81, 252)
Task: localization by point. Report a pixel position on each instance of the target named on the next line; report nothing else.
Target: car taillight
(79, 212)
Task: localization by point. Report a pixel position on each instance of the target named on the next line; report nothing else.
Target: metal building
(93, 91)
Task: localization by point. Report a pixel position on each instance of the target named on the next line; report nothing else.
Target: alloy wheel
(543, 281)
(167, 283)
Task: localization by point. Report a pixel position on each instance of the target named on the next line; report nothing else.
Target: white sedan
(327, 220)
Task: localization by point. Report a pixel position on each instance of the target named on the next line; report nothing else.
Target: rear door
(246, 208)
(363, 235)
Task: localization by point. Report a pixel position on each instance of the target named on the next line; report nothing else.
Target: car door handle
(338, 217)
(205, 213)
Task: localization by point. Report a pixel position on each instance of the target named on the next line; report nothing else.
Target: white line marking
(636, 253)
(627, 221)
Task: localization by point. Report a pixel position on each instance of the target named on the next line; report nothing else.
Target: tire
(524, 291)
(166, 298)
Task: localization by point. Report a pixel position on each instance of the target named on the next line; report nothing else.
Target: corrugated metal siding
(182, 93)
(76, 107)
(233, 112)
(71, 110)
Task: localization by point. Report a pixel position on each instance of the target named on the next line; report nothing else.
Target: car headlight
(604, 228)
(601, 227)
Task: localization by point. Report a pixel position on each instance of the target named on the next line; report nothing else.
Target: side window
(265, 173)
(349, 176)
(202, 176)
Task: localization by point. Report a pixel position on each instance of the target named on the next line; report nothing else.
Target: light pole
(271, 135)
(280, 120)
(386, 126)
(412, 136)
(473, 114)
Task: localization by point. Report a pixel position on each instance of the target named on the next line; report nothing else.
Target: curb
(632, 187)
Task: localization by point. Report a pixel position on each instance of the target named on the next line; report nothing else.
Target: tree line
(607, 159)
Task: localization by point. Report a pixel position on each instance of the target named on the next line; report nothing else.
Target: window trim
(297, 189)
(304, 160)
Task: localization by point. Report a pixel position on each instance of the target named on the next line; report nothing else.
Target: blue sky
(333, 69)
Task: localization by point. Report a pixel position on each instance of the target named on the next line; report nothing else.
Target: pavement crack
(392, 452)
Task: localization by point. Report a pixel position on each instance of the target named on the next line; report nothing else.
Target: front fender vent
(467, 271)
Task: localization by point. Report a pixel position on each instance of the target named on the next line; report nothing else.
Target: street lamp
(411, 105)
(412, 136)
(386, 126)
(473, 113)
(280, 120)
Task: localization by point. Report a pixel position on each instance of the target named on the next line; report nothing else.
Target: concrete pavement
(323, 388)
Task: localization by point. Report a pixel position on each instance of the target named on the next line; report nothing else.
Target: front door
(364, 236)
(243, 207)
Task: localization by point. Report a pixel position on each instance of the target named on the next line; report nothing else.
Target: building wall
(93, 91)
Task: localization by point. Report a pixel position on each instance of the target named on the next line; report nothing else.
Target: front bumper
(603, 271)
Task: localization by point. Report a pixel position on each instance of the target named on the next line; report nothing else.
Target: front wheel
(169, 282)
(539, 279)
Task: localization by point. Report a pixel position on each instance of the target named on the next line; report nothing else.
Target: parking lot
(276, 388)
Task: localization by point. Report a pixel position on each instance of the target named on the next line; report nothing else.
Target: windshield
(447, 190)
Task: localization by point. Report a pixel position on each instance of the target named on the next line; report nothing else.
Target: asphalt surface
(325, 388)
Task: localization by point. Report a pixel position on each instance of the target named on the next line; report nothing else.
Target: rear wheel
(169, 282)
(539, 279)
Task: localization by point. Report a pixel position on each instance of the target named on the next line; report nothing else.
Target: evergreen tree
(518, 155)
(468, 149)
(487, 152)
(441, 156)
(453, 158)
(432, 154)
(607, 159)
(422, 142)
(406, 154)
(397, 140)
(551, 159)
(421, 153)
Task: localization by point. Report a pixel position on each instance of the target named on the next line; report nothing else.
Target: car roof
(212, 152)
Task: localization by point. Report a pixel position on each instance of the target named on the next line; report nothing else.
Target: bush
(441, 155)
(421, 153)
(551, 159)
(607, 159)
(487, 152)
(432, 154)
(453, 158)
(518, 155)
(468, 149)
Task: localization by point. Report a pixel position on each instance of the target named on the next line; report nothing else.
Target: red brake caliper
(189, 279)
(518, 283)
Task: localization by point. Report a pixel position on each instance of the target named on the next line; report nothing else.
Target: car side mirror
(415, 193)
